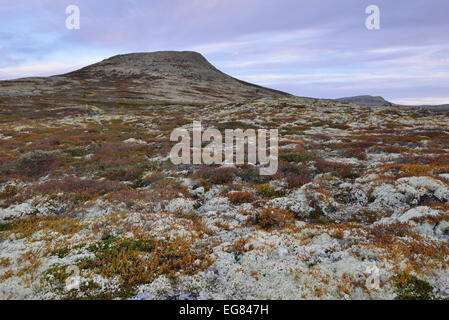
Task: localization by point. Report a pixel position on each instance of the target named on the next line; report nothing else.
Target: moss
(6, 226)
(316, 213)
(104, 245)
(56, 277)
(61, 253)
(197, 205)
(410, 287)
(400, 233)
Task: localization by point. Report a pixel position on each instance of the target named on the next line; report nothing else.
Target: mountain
(373, 101)
(436, 108)
(165, 76)
(368, 101)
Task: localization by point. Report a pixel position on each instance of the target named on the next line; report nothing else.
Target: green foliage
(5, 226)
(139, 261)
(268, 191)
(61, 253)
(56, 276)
(316, 213)
(104, 245)
(410, 287)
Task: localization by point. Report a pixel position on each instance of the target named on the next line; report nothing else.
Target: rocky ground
(358, 189)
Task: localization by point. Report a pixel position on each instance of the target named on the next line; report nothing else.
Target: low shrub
(124, 174)
(37, 163)
(343, 170)
(140, 261)
(410, 287)
(9, 192)
(358, 153)
(217, 175)
(297, 180)
(385, 234)
(240, 197)
(5, 226)
(251, 174)
(75, 152)
(75, 185)
(296, 156)
(269, 218)
(268, 191)
(286, 168)
(120, 162)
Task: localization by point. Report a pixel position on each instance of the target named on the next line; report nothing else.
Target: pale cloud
(261, 39)
(421, 101)
(45, 68)
(393, 49)
(365, 80)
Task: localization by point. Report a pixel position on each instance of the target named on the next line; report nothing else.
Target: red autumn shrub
(297, 180)
(343, 170)
(77, 185)
(269, 218)
(37, 163)
(217, 175)
(240, 197)
(356, 152)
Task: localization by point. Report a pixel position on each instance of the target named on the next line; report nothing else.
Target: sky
(308, 48)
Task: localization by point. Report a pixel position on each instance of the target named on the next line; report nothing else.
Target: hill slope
(165, 76)
(367, 101)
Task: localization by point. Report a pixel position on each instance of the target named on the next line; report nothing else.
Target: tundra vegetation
(92, 186)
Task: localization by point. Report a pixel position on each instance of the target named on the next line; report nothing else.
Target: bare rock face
(166, 76)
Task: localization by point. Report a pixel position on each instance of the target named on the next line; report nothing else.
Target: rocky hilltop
(166, 76)
(367, 101)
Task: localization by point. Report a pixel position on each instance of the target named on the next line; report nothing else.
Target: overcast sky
(308, 48)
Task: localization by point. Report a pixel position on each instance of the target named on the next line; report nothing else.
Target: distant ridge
(367, 101)
(373, 101)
